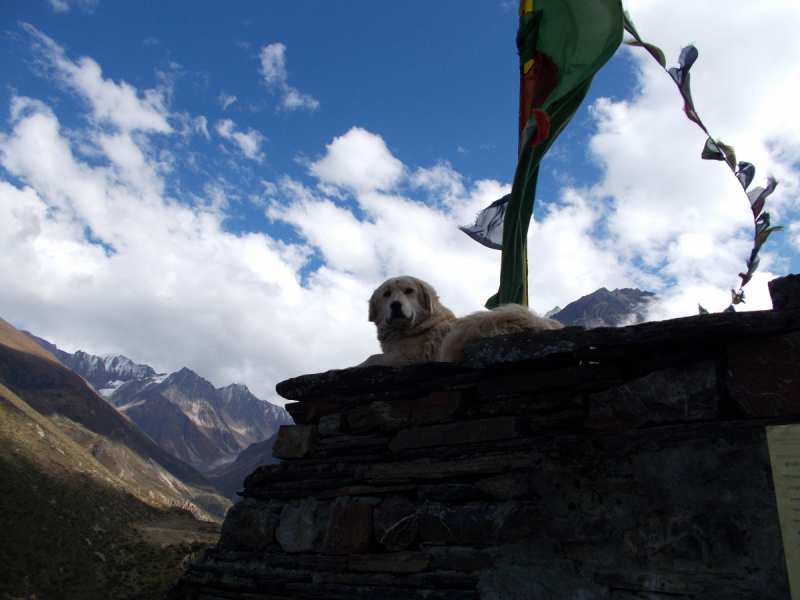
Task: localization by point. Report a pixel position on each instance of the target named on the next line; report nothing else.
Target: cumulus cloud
(358, 160)
(89, 258)
(273, 69)
(670, 212)
(248, 143)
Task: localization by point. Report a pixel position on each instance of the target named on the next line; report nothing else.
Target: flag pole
(525, 6)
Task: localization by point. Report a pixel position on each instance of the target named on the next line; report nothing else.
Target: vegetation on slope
(71, 529)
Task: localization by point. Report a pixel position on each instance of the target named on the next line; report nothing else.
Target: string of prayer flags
(745, 172)
(561, 45)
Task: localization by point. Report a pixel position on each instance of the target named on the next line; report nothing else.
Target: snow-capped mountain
(104, 373)
(602, 308)
(205, 426)
(182, 412)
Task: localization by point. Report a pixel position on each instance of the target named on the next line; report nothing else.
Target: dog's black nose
(396, 306)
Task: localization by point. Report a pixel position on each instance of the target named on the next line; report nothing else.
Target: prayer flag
(561, 45)
(488, 228)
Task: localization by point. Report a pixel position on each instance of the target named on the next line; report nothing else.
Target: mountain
(104, 373)
(190, 418)
(605, 309)
(84, 490)
(182, 412)
(229, 479)
(37, 378)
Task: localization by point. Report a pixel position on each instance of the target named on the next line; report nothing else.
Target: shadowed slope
(68, 401)
(70, 526)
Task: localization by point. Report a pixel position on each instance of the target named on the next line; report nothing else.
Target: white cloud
(685, 217)
(273, 64)
(445, 186)
(95, 260)
(225, 100)
(273, 68)
(59, 5)
(249, 143)
(116, 104)
(358, 160)
(200, 125)
(65, 5)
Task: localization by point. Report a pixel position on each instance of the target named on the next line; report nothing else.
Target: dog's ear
(429, 297)
(373, 307)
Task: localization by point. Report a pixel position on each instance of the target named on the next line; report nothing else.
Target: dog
(414, 327)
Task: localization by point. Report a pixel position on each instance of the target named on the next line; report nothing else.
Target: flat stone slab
(497, 428)
(571, 344)
(576, 343)
(764, 376)
(679, 393)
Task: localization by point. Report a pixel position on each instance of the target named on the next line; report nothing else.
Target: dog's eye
(409, 291)
(387, 293)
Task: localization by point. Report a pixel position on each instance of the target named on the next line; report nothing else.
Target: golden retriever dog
(414, 327)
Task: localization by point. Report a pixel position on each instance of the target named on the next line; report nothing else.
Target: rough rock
(250, 525)
(785, 292)
(448, 492)
(392, 416)
(679, 393)
(461, 525)
(303, 528)
(764, 376)
(331, 425)
(294, 441)
(396, 523)
(504, 487)
(350, 528)
(396, 562)
(497, 428)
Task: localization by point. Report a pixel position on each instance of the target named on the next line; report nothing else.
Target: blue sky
(221, 185)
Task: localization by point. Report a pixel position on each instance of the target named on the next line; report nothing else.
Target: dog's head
(402, 302)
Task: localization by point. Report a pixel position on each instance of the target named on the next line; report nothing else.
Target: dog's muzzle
(396, 311)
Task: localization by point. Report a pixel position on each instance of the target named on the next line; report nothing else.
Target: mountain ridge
(56, 393)
(604, 308)
(182, 412)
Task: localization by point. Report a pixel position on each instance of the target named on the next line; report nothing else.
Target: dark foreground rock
(610, 464)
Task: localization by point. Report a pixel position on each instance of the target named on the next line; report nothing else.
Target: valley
(183, 413)
(91, 505)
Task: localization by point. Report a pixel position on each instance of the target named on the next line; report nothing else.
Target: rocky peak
(182, 412)
(100, 371)
(190, 383)
(603, 308)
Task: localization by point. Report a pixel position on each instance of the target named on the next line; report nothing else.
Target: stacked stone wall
(615, 464)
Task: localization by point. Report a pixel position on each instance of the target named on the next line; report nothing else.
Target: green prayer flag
(562, 44)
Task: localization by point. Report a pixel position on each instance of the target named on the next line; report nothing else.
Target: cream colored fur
(414, 327)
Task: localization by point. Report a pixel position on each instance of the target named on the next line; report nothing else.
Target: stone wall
(615, 464)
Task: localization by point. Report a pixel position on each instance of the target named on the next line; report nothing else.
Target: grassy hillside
(71, 529)
(90, 507)
(112, 439)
